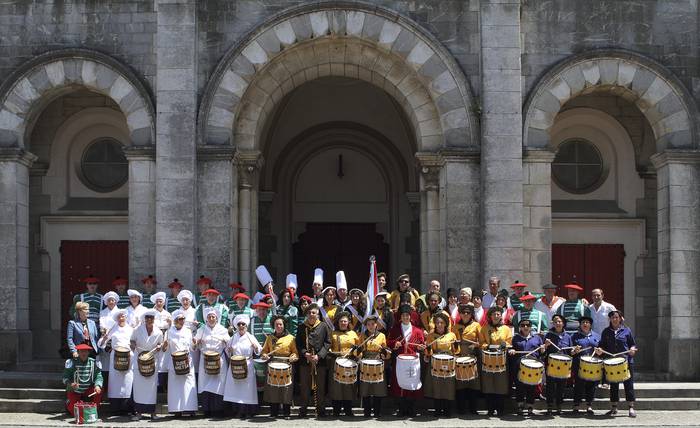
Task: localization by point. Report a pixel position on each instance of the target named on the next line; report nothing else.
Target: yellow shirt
(428, 322)
(284, 346)
(331, 311)
(375, 344)
(468, 332)
(490, 335)
(395, 298)
(342, 341)
(447, 344)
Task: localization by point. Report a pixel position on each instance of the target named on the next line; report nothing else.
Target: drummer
(344, 343)
(525, 341)
(304, 303)
(584, 341)
(120, 381)
(452, 306)
(163, 321)
(185, 298)
(260, 327)
(83, 378)
(405, 338)
(495, 336)
(234, 306)
(280, 346)
(146, 339)
(313, 343)
(467, 332)
(617, 338)
(212, 338)
(428, 316)
(442, 342)
(110, 300)
(555, 340)
(374, 348)
(135, 310)
(243, 393)
(182, 389)
(403, 287)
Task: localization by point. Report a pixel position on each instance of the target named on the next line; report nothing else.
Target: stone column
(431, 225)
(501, 143)
(176, 95)
(142, 212)
(214, 196)
(678, 199)
(460, 199)
(537, 217)
(15, 335)
(249, 164)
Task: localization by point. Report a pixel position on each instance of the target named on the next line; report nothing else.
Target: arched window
(104, 167)
(578, 166)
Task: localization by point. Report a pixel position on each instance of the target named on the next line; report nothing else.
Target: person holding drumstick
(495, 336)
(182, 388)
(280, 346)
(557, 340)
(83, 378)
(374, 348)
(344, 343)
(120, 381)
(617, 340)
(212, 338)
(525, 341)
(585, 340)
(467, 331)
(405, 339)
(243, 393)
(145, 339)
(440, 342)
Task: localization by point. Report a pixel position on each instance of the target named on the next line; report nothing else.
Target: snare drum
(181, 362)
(590, 369)
(531, 371)
(122, 359)
(408, 372)
(239, 367)
(212, 363)
(616, 370)
(559, 366)
(345, 371)
(147, 364)
(371, 371)
(442, 365)
(493, 361)
(466, 369)
(279, 374)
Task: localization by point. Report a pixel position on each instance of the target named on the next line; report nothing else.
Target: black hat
(405, 309)
(585, 317)
(549, 286)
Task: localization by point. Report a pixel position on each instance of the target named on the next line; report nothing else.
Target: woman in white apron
(135, 310)
(185, 298)
(120, 382)
(163, 321)
(146, 338)
(212, 337)
(182, 389)
(110, 300)
(243, 393)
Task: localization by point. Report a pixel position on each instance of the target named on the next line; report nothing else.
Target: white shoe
(633, 414)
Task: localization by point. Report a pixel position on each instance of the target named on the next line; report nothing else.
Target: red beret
(175, 283)
(83, 347)
(211, 291)
(528, 297)
(149, 280)
(119, 281)
(91, 280)
(237, 286)
(307, 298)
(573, 287)
(203, 280)
(518, 284)
(261, 305)
(241, 296)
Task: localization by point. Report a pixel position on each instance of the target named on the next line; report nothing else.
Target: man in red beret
(574, 308)
(260, 327)
(82, 377)
(121, 286)
(518, 290)
(148, 287)
(173, 304)
(203, 284)
(91, 297)
(239, 303)
(538, 320)
(212, 301)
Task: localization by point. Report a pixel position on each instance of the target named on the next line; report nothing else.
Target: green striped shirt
(93, 300)
(146, 301)
(537, 318)
(234, 309)
(85, 374)
(515, 303)
(223, 312)
(261, 328)
(291, 318)
(172, 304)
(572, 311)
(123, 302)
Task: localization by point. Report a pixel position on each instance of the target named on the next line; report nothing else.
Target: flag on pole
(372, 286)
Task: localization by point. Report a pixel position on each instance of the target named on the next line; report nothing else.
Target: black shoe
(490, 412)
(302, 411)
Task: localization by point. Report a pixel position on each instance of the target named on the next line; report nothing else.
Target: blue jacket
(74, 336)
(521, 343)
(562, 340)
(617, 341)
(592, 340)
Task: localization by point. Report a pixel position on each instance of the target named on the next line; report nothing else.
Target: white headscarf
(159, 295)
(184, 293)
(110, 295)
(132, 292)
(179, 314)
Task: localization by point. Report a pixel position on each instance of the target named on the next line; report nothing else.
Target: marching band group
(224, 356)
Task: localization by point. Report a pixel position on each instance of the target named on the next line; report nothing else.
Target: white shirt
(600, 316)
(406, 329)
(478, 313)
(549, 310)
(488, 300)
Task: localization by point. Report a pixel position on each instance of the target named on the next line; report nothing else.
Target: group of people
(226, 356)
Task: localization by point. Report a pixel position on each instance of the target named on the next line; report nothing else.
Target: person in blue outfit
(81, 329)
(525, 341)
(584, 341)
(556, 341)
(616, 339)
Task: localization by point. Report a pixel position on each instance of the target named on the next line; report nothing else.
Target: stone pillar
(214, 196)
(537, 217)
(501, 143)
(142, 212)
(431, 225)
(678, 199)
(176, 96)
(15, 336)
(249, 164)
(460, 199)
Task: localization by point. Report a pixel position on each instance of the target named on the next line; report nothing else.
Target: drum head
(345, 362)
(407, 357)
(121, 349)
(145, 356)
(590, 359)
(370, 362)
(278, 366)
(614, 361)
(259, 361)
(465, 360)
(560, 357)
(529, 362)
(211, 354)
(238, 358)
(443, 357)
(179, 353)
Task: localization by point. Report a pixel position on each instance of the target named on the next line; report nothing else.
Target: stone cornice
(140, 153)
(215, 153)
(675, 156)
(538, 155)
(16, 154)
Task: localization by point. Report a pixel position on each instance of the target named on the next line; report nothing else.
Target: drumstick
(552, 343)
(620, 353)
(470, 341)
(429, 344)
(90, 395)
(361, 344)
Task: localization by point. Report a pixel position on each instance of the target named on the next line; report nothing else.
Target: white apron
(106, 322)
(120, 382)
(243, 391)
(145, 388)
(182, 389)
(161, 323)
(216, 340)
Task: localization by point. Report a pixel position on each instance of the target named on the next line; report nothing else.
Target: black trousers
(467, 398)
(555, 391)
(407, 406)
(584, 389)
(629, 389)
(495, 402)
(524, 392)
(372, 404)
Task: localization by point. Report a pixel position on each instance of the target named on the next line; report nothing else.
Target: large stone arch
(348, 39)
(51, 74)
(658, 94)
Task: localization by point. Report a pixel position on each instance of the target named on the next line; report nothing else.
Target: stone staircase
(36, 387)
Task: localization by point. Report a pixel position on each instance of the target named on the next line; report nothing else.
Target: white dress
(106, 322)
(145, 388)
(133, 315)
(161, 323)
(191, 324)
(120, 382)
(212, 339)
(243, 391)
(182, 389)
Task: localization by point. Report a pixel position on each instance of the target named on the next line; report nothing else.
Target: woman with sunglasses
(242, 393)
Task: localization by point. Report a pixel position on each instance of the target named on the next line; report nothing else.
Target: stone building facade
(458, 139)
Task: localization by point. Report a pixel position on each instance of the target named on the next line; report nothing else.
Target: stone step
(32, 393)
(16, 379)
(658, 390)
(30, 405)
(44, 365)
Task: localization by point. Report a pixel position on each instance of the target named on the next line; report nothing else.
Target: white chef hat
(340, 282)
(117, 312)
(149, 313)
(318, 276)
(132, 292)
(179, 313)
(184, 294)
(263, 275)
(110, 295)
(159, 295)
(292, 281)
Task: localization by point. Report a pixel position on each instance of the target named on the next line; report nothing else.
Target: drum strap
(380, 321)
(327, 319)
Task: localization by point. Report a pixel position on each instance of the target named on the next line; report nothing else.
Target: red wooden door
(591, 266)
(103, 259)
